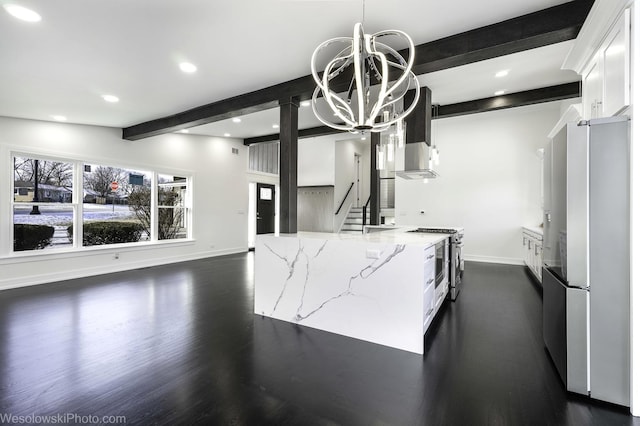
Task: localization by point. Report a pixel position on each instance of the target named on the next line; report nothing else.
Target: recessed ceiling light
(305, 103)
(110, 98)
(59, 117)
(275, 126)
(502, 73)
(188, 67)
(236, 120)
(499, 93)
(22, 13)
(184, 131)
(363, 138)
(226, 135)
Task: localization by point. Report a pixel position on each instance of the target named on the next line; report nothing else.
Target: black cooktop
(435, 230)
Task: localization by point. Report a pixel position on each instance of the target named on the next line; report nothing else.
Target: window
(69, 204)
(172, 210)
(115, 210)
(42, 203)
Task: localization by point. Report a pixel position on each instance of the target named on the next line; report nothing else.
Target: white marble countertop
(395, 235)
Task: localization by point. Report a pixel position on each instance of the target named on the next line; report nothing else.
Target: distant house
(24, 192)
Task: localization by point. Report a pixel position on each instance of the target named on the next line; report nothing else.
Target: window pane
(172, 223)
(42, 227)
(42, 181)
(116, 205)
(172, 213)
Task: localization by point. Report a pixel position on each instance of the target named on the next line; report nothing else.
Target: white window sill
(65, 253)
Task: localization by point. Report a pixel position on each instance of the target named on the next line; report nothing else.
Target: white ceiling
(83, 49)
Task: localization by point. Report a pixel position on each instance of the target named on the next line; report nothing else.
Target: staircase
(353, 222)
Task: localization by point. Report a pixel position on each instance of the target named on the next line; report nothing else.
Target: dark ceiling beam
(529, 97)
(548, 26)
(302, 133)
(512, 100)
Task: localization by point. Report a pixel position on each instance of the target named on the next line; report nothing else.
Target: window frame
(77, 201)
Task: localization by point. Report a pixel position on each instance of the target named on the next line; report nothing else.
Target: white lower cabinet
(428, 308)
(428, 305)
(532, 251)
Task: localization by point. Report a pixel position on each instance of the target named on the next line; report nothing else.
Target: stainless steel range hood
(418, 140)
(416, 162)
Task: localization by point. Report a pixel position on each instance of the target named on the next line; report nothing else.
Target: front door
(265, 208)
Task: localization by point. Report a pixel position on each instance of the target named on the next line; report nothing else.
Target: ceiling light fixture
(188, 67)
(184, 131)
(499, 93)
(236, 120)
(275, 126)
(374, 101)
(305, 103)
(59, 117)
(22, 13)
(110, 98)
(226, 135)
(502, 73)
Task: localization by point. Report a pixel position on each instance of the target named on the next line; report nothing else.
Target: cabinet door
(615, 55)
(428, 310)
(592, 89)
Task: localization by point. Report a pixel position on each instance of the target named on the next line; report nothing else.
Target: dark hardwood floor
(179, 344)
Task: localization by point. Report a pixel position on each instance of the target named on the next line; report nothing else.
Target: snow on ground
(59, 215)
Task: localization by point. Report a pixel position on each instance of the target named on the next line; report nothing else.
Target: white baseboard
(491, 259)
(48, 278)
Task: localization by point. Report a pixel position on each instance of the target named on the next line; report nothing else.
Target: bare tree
(99, 180)
(48, 172)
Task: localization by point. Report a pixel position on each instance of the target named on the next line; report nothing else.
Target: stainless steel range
(456, 263)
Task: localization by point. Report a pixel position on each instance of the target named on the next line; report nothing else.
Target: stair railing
(345, 198)
(364, 213)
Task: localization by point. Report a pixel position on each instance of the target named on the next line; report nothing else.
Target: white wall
(316, 162)
(490, 180)
(220, 194)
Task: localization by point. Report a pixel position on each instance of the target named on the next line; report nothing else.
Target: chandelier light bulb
(373, 102)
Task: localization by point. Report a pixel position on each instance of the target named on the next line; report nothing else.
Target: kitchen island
(379, 287)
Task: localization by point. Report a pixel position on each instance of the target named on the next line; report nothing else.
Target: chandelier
(381, 79)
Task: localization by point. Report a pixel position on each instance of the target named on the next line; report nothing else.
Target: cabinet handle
(536, 247)
(430, 281)
(431, 256)
(429, 312)
(523, 240)
(529, 244)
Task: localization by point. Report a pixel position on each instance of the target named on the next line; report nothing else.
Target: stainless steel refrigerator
(586, 274)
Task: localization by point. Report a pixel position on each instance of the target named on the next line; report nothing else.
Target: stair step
(351, 228)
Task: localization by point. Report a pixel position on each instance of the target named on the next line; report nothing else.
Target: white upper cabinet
(601, 55)
(592, 89)
(605, 80)
(615, 61)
